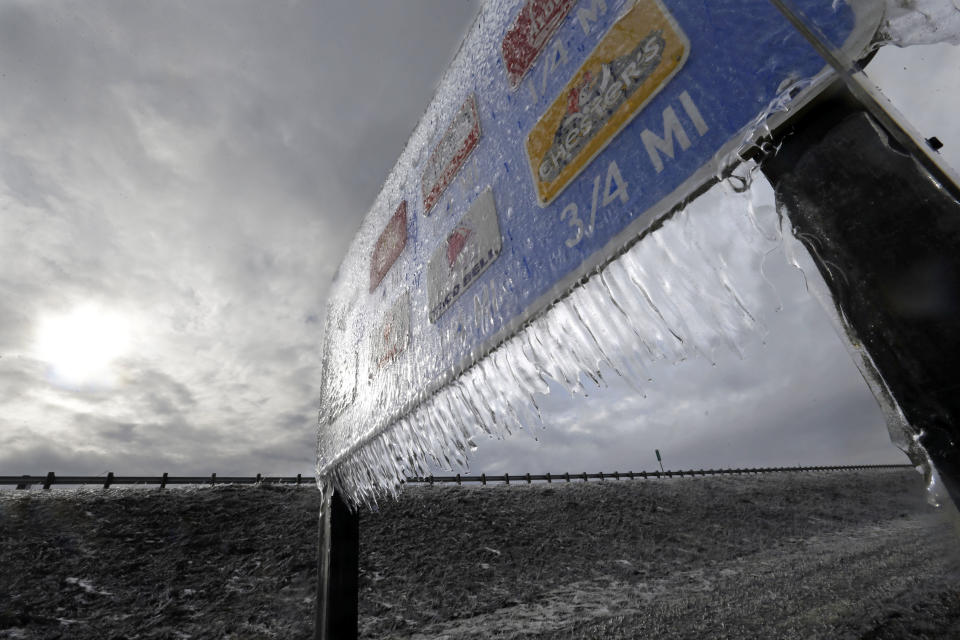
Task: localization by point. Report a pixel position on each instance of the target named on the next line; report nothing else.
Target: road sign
(561, 132)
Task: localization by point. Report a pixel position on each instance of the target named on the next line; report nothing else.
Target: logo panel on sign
(389, 246)
(451, 152)
(394, 335)
(529, 34)
(635, 59)
(468, 250)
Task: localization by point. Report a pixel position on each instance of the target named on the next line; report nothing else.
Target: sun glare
(82, 345)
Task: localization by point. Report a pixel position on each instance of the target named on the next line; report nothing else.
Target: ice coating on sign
(443, 329)
(668, 297)
(910, 22)
(901, 23)
(802, 251)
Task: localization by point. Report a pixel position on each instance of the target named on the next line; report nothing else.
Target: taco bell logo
(469, 250)
(456, 242)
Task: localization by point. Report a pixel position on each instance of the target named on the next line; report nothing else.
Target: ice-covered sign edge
(720, 165)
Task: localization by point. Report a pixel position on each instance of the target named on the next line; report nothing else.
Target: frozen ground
(830, 555)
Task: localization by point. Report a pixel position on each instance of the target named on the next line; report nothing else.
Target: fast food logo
(394, 335)
(469, 250)
(456, 241)
(451, 152)
(391, 349)
(389, 246)
(529, 34)
(595, 98)
(633, 61)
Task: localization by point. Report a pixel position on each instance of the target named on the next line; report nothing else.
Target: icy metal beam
(338, 567)
(883, 228)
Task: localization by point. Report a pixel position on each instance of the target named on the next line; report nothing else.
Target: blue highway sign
(561, 132)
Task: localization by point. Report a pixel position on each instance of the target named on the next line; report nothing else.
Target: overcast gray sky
(178, 183)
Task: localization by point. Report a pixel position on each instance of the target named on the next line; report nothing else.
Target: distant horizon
(205, 479)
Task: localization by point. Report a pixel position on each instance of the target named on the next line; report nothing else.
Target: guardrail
(51, 479)
(631, 475)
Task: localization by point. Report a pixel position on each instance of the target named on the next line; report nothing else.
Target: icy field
(830, 555)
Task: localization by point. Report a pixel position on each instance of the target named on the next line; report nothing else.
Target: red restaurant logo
(471, 247)
(389, 246)
(456, 241)
(456, 144)
(537, 21)
(394, 335)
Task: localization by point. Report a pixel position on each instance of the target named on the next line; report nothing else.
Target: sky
(180, 180)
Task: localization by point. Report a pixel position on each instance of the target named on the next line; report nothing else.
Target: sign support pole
(884, 231)
(338, 564)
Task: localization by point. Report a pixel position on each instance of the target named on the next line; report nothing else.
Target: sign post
(884, 233)
(880, 216)
(338, 553)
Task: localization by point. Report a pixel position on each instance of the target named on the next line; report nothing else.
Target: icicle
(666, 297)
(910, 22)
(669, 296)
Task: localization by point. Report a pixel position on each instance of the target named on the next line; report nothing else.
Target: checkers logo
(634, 60)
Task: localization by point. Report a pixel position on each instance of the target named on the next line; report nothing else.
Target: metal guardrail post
(338, 568)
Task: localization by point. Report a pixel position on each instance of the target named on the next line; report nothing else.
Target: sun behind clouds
(82, 345)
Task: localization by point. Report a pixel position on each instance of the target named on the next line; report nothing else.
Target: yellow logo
(635, 59)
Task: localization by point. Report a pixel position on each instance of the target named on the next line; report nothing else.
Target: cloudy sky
(178, 183)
